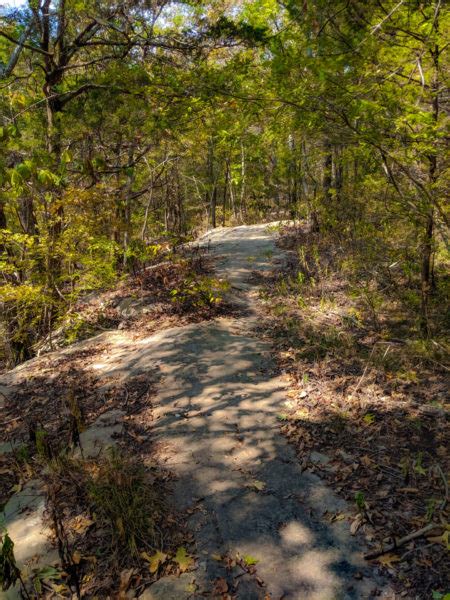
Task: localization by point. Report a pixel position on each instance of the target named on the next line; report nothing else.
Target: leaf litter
(366, 415)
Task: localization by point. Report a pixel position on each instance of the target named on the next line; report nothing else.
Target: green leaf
(47, 178)
(16, 178)
(369, 418)
(66, 157)
(258, 485)
(183, 560)
(250, 560)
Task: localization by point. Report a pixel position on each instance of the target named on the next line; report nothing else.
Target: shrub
(199, 291)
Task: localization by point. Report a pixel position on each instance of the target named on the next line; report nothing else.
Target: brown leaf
(125, 579)
(356, 524)
(388, 559)
(81, 524)
(220, 586)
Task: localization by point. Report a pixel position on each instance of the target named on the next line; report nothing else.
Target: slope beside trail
(216, 428)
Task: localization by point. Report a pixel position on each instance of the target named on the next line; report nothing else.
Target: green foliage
(24, 310)
(78, 329)
(45, 574)
(360, 500)
(199, 291)
(315, 113)
(9, 572)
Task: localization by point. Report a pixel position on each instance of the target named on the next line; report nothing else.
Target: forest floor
(223, 504)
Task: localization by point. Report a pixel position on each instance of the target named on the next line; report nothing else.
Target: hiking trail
(216, 427)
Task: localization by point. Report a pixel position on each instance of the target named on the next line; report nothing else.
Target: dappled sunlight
(295, 534)
(216, 422)
(215, 426)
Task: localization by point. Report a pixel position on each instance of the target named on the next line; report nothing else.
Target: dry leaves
(388, 559)
(154, 561)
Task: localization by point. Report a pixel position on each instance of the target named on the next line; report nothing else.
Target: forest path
(216, 428)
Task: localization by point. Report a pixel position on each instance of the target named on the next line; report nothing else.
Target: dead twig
(401, 542)
(364, 373)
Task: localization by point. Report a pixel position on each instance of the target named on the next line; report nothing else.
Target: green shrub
(199, 291)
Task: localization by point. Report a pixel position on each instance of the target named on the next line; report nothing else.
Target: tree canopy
(125, 123)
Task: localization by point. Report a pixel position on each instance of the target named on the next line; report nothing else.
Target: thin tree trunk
(243, 176)
(147, 211)
(212, 185)
(327, 172)
(427, 275)
(225, 188)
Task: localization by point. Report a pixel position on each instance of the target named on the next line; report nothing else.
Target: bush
(199, 291)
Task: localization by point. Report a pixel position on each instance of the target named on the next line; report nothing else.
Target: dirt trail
(216, 427)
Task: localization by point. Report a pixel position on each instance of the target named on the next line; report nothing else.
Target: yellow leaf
(338, 517)
(155, 560)
(387, 559)
(120, 527)
(258, 485)
(81, 523)
(183, 560)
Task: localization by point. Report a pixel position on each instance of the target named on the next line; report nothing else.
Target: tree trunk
(225, 189)
(427, 275)
(243, 176)
(328, 173)
(212, 185)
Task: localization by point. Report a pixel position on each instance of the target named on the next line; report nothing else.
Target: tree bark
(427, 275)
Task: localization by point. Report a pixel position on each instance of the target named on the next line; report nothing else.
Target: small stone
(318, 458)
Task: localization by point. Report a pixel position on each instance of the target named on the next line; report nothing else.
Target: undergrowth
(125, 504)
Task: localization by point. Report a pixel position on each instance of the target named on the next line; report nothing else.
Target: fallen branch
(165, 263)
(401, 542)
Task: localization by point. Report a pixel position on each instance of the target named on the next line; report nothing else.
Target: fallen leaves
(379, 431)
(443, 538)
(154, 561)
(183, 560)
(125, 580)
(80, 524)
(220, 586)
